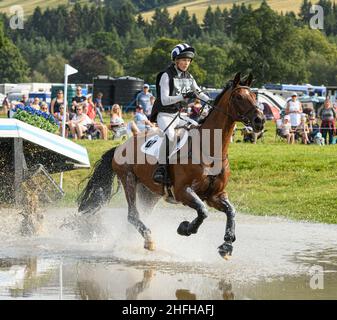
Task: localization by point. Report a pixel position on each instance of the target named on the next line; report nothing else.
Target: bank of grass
(29, 5)
(199, 7)
(269, 178)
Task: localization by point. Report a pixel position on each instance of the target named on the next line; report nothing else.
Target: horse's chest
(213, 185)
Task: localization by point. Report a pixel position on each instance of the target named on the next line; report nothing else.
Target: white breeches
(164, 119)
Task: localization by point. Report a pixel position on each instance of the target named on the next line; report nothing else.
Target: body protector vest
(178, 85)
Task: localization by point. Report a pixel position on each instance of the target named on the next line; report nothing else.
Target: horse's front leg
(191, 199)
(221, 203)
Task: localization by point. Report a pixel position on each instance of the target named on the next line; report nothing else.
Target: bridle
(242, 117)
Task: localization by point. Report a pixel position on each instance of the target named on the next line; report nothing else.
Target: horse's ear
(249, 80)
(237, 79)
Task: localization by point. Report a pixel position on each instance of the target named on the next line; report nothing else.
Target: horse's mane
(227, 86)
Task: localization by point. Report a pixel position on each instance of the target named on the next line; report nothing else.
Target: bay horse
(190, 185)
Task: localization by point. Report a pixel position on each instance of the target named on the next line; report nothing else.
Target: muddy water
(273, 259)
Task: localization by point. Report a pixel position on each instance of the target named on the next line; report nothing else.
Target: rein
(242, 117)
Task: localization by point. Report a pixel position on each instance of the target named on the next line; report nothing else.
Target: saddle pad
(152, 146)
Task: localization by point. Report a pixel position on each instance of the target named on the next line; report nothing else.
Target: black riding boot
(160, 174)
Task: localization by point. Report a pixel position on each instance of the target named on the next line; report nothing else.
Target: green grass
(274, 178)
(199, 7)
(269, 178)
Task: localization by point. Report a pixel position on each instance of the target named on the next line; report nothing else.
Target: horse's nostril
(258, 120)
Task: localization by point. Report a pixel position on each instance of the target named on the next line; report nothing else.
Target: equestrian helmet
(182, 50)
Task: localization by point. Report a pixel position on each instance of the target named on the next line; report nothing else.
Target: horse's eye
(238, 98)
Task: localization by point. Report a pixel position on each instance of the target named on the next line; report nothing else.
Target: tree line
(115, 39)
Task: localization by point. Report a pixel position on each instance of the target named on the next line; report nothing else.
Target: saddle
(152, 145)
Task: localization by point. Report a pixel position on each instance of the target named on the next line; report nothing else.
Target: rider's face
(183, 63)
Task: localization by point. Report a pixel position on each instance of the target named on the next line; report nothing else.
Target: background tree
(89, 63)
(13, 67)
(161, 22)
(52, 67)
(108, 43)
(271, 54)
(135, 64)
(276, 47)
(207, 58)
(113, 67)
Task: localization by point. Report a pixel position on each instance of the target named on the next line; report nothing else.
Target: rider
(175, 86)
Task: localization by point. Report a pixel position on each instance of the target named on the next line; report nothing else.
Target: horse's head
(243, 104)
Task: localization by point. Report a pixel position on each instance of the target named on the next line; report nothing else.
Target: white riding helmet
(182, 50)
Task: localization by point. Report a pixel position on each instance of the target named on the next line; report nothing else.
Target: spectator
(314, 129)
(144, 99)
(117, 125)
(294, 110)
(79, 98)
(303, 130)
(286, 130)
(90, 110)
(141, 120)
(36, 104)
(99, 106)
(12, 110)
(6, 106)
(59, 117)
(57, 102)
(25, 100)
(44, 107)
(79, 123)
(328, 125)
(250, 136)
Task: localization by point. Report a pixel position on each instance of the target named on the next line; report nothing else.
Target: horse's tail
(99, 187)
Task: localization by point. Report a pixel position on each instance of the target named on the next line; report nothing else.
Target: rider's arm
(165, 97)
(199, 92)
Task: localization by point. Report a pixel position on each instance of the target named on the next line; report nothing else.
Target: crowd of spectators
(85, 118)
(299, 126)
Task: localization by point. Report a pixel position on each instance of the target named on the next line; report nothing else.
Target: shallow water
(273, 258)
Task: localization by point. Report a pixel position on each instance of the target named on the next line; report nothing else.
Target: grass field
(269, 178)
(29, 5)
(199, 7)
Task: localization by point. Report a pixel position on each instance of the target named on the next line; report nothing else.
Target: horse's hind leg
(130, 185)
(147, 198)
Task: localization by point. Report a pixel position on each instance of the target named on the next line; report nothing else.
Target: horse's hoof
(149, 245)
(225, 251)
(226, 257)
(183, 229)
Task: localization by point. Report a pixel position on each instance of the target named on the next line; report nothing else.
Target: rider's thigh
(170, 132)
